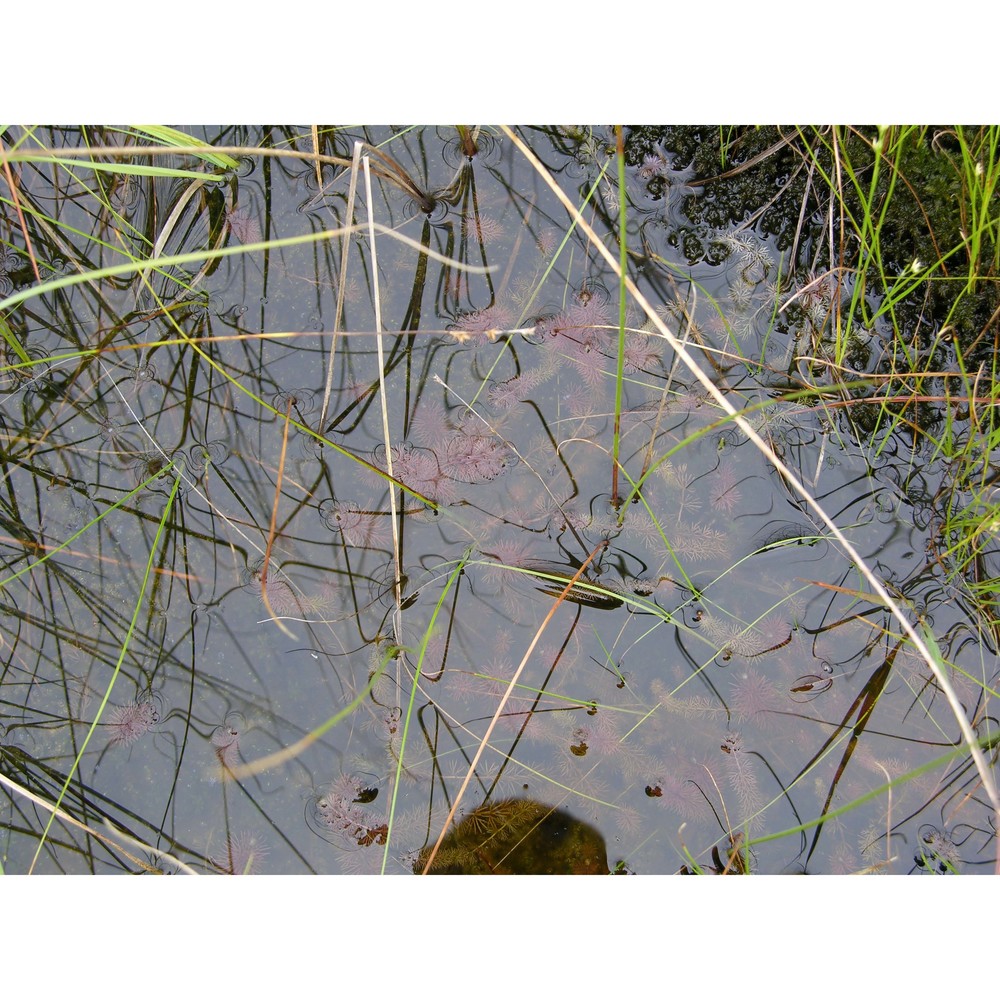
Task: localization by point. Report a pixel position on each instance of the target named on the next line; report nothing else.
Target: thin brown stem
(11, 183)
(274, 520)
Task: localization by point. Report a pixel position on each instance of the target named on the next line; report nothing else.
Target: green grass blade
(141, 169)
(175, 137)
(455, 574)
(153, 549)
(12, 342)
(622, 310)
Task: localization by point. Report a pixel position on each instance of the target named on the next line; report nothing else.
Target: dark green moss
(519, 837)
(919, 196)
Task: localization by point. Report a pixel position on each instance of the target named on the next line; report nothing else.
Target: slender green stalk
(985, 743)
(76, 534)
(175, 137)
(622, 310)
(135, 169)
(140, 600)
(414, 687)
(161, 263)
(12, 342)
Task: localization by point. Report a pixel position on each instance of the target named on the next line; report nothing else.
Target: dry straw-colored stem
(112, 842)
(272, 529)
(20, 215)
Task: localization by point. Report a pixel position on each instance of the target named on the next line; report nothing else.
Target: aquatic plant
(128, 723)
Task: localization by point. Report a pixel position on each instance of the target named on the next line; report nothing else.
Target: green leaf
(167, 136)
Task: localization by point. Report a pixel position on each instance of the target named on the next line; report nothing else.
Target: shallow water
(705, 682)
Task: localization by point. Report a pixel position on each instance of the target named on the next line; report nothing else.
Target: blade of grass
(14, 344)
(273, 526)
(985, 743)
(279, 757)
(159, 263)
(153, 549)
(181, 140)
(386, 437)
(111, 842)
(133, 168)
(622, 309)
(425, 641)
(20, 215)
(55, 550)
(503, 701)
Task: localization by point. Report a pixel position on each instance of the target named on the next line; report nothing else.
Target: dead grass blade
(20, 215)
(112, 843)
(274, 521)
(386, 437)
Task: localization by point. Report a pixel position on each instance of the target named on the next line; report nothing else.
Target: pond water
(585, 607)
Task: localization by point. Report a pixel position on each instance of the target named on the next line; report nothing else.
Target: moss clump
(519, 837)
